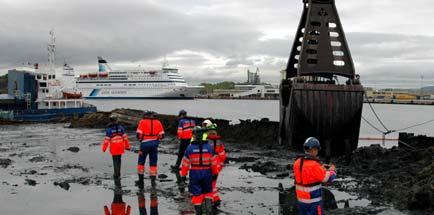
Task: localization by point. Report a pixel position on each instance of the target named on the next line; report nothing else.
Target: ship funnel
(103, 65)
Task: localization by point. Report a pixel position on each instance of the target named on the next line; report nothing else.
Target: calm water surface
(394, 116)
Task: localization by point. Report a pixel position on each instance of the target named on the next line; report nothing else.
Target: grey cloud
(144, 31)
(124, 31)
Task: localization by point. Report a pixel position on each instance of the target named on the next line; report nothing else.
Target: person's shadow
(153, 205)
(118, 206)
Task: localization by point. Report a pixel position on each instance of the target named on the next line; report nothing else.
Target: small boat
(68, 95)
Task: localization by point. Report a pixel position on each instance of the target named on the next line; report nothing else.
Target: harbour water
(393, 116)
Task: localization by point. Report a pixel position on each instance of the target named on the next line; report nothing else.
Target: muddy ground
(65, 168)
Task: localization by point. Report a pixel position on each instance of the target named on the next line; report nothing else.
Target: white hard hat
(207, 123)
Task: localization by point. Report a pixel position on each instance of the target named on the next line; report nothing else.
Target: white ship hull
(121, 92)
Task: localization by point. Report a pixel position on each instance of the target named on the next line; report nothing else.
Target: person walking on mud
(219, 150)
(185, 127)
(201, 163)
(309, 174)
(149, 132)
(117, 139)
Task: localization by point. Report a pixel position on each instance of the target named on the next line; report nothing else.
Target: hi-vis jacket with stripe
(309, 175)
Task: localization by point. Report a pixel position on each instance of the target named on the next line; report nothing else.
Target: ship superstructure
(165, 83)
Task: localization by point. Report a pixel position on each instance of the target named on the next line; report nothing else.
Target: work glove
(134, 149)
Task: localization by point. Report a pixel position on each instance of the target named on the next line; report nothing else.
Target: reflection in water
(153, 204)
(184, 206)
(118, 206)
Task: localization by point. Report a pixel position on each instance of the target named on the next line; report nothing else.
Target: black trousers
(117, 166)
(182, 147)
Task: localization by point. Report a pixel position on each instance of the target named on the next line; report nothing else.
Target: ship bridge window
(38, 76)
(42, 84)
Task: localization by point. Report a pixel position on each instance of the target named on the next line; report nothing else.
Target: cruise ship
(166, 83)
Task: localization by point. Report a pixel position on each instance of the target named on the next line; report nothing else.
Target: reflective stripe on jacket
(199, 156)
(149, 129)
(309, 174)
(185, 128)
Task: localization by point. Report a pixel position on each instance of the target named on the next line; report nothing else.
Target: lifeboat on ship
(103, 74)
(68, 95)
(93, 75)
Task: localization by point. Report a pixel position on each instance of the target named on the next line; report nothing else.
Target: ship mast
(51, 52)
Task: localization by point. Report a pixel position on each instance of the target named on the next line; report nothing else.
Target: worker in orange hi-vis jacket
(309, 175)
(149, 132)
(117, 139)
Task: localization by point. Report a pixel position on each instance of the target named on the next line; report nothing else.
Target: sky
(391, 41)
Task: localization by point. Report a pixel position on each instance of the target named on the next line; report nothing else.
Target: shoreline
(397, 102)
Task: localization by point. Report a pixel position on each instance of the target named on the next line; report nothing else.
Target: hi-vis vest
(185, 128)
(309, 174)
(149, 129)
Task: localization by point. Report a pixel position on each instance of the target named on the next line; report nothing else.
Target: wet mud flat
(52, 169)
(65, 166)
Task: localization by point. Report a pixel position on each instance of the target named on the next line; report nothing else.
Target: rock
(38, 159)
(74, 149)
(5, 162)
(264, 168)
(260, 132)
(72, 166)
(64, 185)
(242, 159)
(162, 176)
(31, 182)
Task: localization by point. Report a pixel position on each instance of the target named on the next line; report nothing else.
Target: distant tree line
(4, 84)
(225, 85)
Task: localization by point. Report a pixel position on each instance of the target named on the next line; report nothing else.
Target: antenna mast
(51, 52)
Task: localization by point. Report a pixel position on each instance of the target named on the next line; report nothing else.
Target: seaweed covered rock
(403, 175)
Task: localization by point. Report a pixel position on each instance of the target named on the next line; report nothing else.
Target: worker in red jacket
(309, 175)
(219, 149)
(185, 132)
(118, 206)
(149, 132)
(200, 162)
(117, 139)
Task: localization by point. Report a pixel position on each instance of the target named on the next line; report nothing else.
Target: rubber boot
(153, 181)
(198, 209)
(216, 204)
(140, 182)
(208, 206)
(174, 168)
(117, 180)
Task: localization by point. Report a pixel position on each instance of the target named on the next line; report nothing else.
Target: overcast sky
(392, 42)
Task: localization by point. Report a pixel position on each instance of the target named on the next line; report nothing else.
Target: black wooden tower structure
(321, 96)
